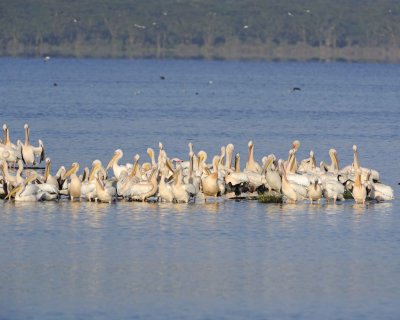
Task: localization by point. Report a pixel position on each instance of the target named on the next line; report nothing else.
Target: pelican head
(150, 152)
(4, 127)
(96, 164)
(202, 155)
(250, 144)
(146, 166)
(29, 179)
(74, 169)
(354, 148)
(296, 145)
(160, 145)
(117, 155)
(268, 162)
(26, 126)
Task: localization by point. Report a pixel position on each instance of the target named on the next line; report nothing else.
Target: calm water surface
(224, 260)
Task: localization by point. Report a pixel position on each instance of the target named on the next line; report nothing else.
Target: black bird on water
(296, 89)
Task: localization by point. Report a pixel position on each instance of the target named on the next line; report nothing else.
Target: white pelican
(332, 189)
(359, 191)
(75, 186)
(10, 179)
(165, 188)
(117, 169)
(315, 190)
(48, 178)
(179, 189)
(27, 192)
(209, 182)
(103, 193)
(127, 180)
(192, 182)
(381, 192)
(299, 179)
(8, 151)
(144, 189)
(295, 148)
(364, 171)
(150, 153)
(28, 152)
(88, 189)
(334, 166)
(308, 164)
(288, 189)
(251, 164)
(228, 156)
(273, 177)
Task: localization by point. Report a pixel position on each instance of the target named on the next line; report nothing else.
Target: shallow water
(224, 260)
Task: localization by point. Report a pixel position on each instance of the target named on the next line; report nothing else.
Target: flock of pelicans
(174, 180)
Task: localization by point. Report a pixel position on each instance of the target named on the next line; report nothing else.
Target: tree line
(224, 29)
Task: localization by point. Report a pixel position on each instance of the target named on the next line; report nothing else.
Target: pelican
(28, 152)
(209, 183)
(295, 148)
(179, 189)
(13, 180)
(75, 186)
(381, 192)
(88, 189)
(334, 166)
(292, 176)
(287, 188)
(364, 171)
(315, 190)
(117, 169)
(228, 156)
(165, 188)
(150, 153)
(359, 191)
(144, 189)
(104, 193)
(192, 182)
(8, 151)
(308, 164)
(251, 164)
(332, 189)
(27, 192)
(127, 180)
(273, 177)
(52, 180)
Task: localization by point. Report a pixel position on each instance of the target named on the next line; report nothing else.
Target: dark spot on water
(196, 93)
(296, 89)
(162, 77)
(55, 84)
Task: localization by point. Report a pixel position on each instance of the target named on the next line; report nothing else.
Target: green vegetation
(367, 30)
(347, 195)
(270, 197)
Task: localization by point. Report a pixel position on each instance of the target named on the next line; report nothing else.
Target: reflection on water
(241, 255)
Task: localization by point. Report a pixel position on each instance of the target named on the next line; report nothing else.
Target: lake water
(224, 260)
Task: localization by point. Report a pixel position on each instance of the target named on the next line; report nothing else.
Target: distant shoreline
(295, 53)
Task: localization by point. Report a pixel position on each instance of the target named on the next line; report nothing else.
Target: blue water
(224, 260)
